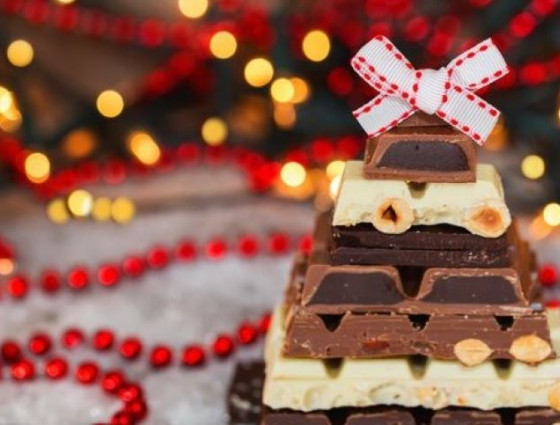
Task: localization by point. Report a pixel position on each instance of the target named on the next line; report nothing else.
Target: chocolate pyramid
(417, 305)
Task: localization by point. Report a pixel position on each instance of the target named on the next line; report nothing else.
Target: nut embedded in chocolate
(530, 349)
(393, 216)
(472, 351)
(487, 221)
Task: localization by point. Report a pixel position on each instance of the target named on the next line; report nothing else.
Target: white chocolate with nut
(392, 206)
(311, 384)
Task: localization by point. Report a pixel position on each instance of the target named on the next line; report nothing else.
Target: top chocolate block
(421, 155)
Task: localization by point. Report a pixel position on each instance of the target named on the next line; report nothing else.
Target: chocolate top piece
(422, 119)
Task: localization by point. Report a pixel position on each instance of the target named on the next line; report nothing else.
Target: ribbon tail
(478, 67)
(469, 114)
(383, 113)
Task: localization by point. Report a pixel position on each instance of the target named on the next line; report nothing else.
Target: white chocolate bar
(311, 384)
(392, 206)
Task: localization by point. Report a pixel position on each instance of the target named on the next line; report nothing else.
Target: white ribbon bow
(447, 92)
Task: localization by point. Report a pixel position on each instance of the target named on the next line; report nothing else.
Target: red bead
(522, 25)
(185, 251)
(72, 338)
(193, 355)
(23, 370)
(322, 150)
(50, 281)
(103, 340)
(56, 368)
(78, 278)
(40, 343)
(87, 372)
(112, 381)
(340, 82)
(17, 286)
(264, 324)
(216, 249)
(122, 418)
(278, 243)
(158, 257)
(248, 246)
(306, 244)
(553, 303)
(151, 32)
(160, 356)
(188, 152)
(130, 392)
(10, 351)
(108, 275)
(134, 266)
(138, 409)
(247, 334)
(548, 275)
(223, 346)
(130, 348)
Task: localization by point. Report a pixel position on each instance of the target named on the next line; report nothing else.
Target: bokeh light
(301, 90)
(7, 266)
(10, 116)
(144, 148)
(335, 169)
(20, 53)
(214, 131)
(285, 115)
(193, 9)
(65, 1)
(551, 214)
(123, 210)
(79, 143)
(110, 103)
(258, 72)
(316, 45)
(293, 174)
(282, 90)
(37, 167)
(80, 203)
(101, 210)
(57, 212)
(335, 186)
(223, 45)
(533, 167)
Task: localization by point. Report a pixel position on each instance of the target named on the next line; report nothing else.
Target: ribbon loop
(447, 92)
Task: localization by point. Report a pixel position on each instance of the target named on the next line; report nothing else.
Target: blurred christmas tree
(84, 80)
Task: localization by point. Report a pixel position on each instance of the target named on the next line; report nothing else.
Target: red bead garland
(548, 275)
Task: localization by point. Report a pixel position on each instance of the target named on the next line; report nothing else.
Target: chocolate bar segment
(244, 404)
(421, 154)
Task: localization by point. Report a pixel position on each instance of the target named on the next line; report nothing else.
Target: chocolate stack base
(245, 408)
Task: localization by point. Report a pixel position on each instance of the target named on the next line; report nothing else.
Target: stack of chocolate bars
(417, 305)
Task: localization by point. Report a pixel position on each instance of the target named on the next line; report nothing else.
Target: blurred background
(142, 142)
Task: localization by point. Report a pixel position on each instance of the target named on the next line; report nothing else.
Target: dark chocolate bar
(245, 408)
(419, 248)
(422, 155)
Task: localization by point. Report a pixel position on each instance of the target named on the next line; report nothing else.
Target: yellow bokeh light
(223, 45)
(79, 143)
(538, 228)
(335, 186)
(335, 169)
(316, 45)
(101, 210)
(123, 210)
(293, 174)
(144, 148)
(65, 1)
(7, 266)
(57, 211)
(533, 167)
(282, 90)
(20, 53)
(259, 72)
(301, 90)
(110, 103)
(285, 115)
(193, 9)
(551, 214)
(214, 131)
(80, 203)
(37, 167)
(10, 116)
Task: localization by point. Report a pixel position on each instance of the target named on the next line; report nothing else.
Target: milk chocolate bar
(421, 155)
(322, 384)
(393, 206)
(471, 340)
(245, 407)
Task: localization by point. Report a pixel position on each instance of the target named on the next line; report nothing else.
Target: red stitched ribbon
(447, 92)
